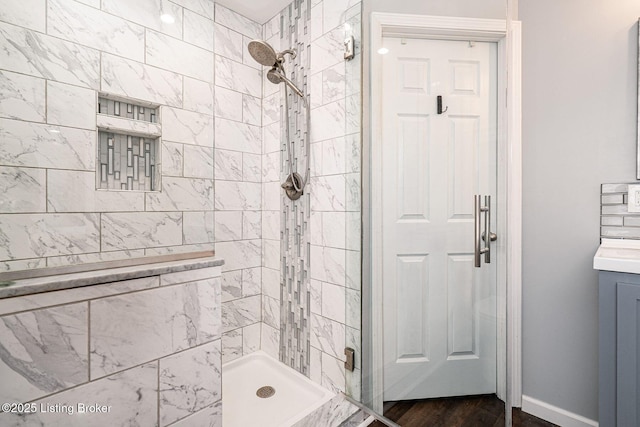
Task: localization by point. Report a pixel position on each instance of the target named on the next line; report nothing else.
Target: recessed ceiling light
(383, 51)
(167, 18)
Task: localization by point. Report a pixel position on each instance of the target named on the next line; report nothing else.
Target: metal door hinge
(349, 363)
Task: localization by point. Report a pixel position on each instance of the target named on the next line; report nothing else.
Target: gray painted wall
(579, 130)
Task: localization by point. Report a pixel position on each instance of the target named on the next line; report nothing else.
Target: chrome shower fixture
(263, 53)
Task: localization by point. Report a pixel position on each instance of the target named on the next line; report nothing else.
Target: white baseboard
(555, 415)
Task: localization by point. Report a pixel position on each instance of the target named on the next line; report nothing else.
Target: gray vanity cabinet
(619, 321)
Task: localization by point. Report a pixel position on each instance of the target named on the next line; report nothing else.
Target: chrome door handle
(481, 235)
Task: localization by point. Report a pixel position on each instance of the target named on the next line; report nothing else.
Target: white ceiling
(258, 10)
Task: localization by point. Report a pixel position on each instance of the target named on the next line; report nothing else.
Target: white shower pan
(295, 395)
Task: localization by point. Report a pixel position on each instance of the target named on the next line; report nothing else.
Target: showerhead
(275, 76)
(263, 53)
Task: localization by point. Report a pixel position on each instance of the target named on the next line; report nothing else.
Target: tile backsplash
(615, 221)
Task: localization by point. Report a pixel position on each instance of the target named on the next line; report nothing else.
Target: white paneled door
(439, 310)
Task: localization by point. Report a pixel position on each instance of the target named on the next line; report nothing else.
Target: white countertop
(619, 255)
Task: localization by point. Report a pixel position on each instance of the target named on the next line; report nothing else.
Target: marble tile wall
(155, 365)
(334, 229)
(55, 56)
(238, 181)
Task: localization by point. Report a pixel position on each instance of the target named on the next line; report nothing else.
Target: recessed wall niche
(129, 135)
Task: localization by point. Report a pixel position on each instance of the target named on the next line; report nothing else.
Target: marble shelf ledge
(99, 276)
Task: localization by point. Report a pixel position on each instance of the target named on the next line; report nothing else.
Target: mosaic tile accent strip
(296, 250)
(126, 110)
(127, 162)
(615, 221)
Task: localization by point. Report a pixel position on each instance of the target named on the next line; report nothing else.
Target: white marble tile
(315, 90)
(316, 24)
(198, 162)
(237, 22)
(43, 146)
(334, 229)
(85, 25)
(167, 320)
(271, 225)
(334, 156)
(209, 417)
(251, 167)
(189, 382)
(38, 235)
(271, 196)
(231, 285)
(23, 264)
(239, 313)
(198, 30)
(271, 254)
(353, 153)
(251, 225)
(75, 191)
(228, 104)
(353, 309)
(69, 296)
(22, 190)
(270, 340)
(271, 138)
(22, 97)
(354, 384)
(25, 13)
(353, 113)
(187, 127)
(271, 27)
(333, 83)
(251, 281)
(60, 99)
(251, 338)
(335, 12)
(179, 249)
(328, 264)
(228, 165)
(239, 77)
(172, 159)
(132, 396)
(93, 3)
(228, 226)
(327, 50)
(315, 365)
(354, 231)
(38, 55)
(174, 55)
(237, 196)
(228, 43)
(44, 351)
(239, 254)
(198, 96)
(197, 227)
(202, 7)
(315, 236)
(354, 340)
(353, 76)
(271, 109)
(354, 270)
(251, 110)
(328, 193)
(182, 194)
(236, 136)
(122, 77)
(232, 345)
(140, 230)
(271, 311)
(315, 290)
(316, 159)
(191, 276)
(333, 374)
(333, 302)
(271, 282)
(354, 191)
(93, 257)
(328, 336)
(328, 121)
(147, 13)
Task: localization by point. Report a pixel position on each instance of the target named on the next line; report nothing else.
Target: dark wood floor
(468, 411)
